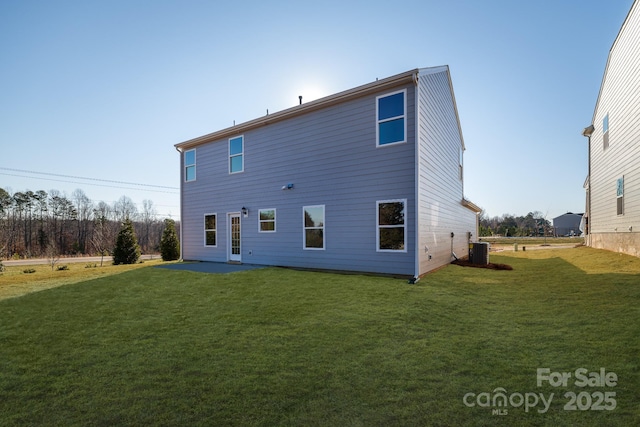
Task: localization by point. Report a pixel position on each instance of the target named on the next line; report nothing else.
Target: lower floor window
(267, 219)
(392, 226)
(313, 227)
(210, 230)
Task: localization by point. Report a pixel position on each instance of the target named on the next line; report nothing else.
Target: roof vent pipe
(300, 98)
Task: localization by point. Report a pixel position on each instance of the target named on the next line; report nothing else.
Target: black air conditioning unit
(479, 253)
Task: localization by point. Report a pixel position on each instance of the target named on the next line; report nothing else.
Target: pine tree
(169, 244)
(127, 250)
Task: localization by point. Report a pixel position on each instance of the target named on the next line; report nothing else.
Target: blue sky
(104, 89)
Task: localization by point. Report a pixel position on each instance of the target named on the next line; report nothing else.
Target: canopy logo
(500, 401)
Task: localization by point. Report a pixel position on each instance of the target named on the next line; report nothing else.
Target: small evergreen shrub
(29, 270)
(62, 268)
(169, 243)
(127, 250)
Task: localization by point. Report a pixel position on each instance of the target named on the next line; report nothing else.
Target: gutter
(181, 202)
(587, 132)
(417, 111)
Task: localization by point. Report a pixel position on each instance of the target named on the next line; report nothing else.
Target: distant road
(87, 259)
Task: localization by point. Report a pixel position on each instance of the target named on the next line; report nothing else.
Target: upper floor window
(392, 226)
(605, 132)
(460, 162)
(267, 219)
(620, 196)
(391, 118)
(236, 154)
(210, 230)
(190, 165)
(313, 227)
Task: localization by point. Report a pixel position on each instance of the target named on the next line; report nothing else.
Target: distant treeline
(35, 224)
(532, 224)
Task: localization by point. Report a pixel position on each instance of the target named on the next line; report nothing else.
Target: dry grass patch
(590, 261)
(14, 282)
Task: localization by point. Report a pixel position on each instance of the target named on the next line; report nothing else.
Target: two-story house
(369, 180)
(612, 217)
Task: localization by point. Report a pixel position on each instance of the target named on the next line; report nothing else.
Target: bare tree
(124, 209)
(63, 213)
(53, 254)
(41, 209)
(147, 217)
(102, 237)
(84, 207)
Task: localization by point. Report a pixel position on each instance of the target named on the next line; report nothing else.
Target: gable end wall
(620, 99)
(440, 189)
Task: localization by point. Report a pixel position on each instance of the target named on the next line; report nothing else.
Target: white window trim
(378, 226)
(323, 228)
(185, 166)
(235, 155)
(204, 236)
(404, 116)
(275, 216)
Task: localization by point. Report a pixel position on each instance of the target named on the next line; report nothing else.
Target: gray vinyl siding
(330, 156)
(567, 223)
(620, 99)
(440, 189)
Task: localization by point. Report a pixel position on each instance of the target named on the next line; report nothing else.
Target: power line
(91, 183)
(84, 178)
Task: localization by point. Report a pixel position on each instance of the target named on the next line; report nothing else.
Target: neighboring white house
(612, 217)
(369, 179)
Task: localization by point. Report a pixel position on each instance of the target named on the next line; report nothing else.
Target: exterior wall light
(245, 212)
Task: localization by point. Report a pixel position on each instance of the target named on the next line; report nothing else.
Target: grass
(25, 279)
(523, 240)
(282, 347)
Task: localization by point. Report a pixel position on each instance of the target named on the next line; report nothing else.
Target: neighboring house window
(313, 227)
(392, 226)
(190, 165)
(210, 230)
(605, 132)
(620, 196)
(236, 154)
(391, 118)
(267, 219)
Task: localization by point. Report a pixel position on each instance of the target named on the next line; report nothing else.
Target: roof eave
(472, 206)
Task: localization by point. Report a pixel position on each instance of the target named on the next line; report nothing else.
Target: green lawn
(281, 347)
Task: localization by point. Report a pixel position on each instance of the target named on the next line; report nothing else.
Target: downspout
(416, 208)
(587, 132)
(181, 204)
